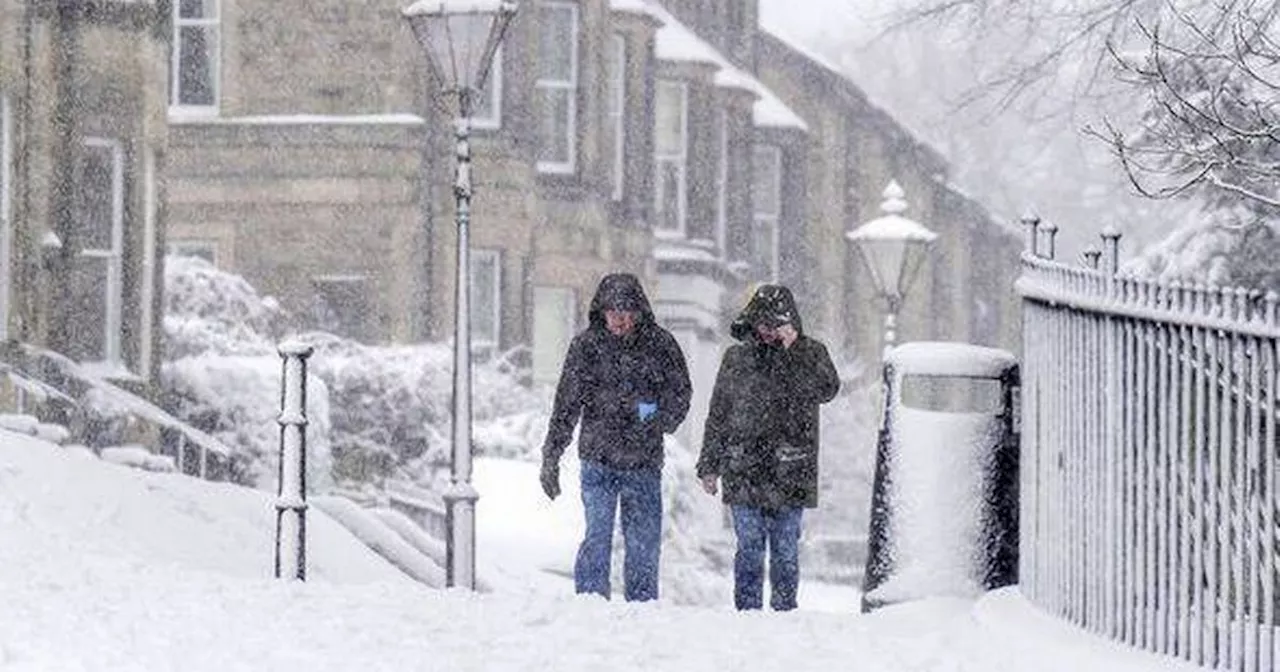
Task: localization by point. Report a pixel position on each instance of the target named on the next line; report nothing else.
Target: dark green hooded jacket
(761, 435)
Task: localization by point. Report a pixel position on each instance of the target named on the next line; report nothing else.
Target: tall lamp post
(459, 39)
(893, 246)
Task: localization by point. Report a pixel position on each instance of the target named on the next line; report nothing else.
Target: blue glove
(647, 409)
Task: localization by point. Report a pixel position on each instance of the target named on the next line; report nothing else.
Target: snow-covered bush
(236, 398)
(208, 311)
(375, 411)
(1215, 248)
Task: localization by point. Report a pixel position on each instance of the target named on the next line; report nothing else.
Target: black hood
(621, 291)
(773, 303)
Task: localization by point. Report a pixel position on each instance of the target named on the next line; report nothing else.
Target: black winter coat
(606, 376)
(761, 435)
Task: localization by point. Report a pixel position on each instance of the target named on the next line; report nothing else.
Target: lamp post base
(460, 546)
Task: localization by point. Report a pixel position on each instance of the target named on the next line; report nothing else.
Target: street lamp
(459, 38)
(893, 246)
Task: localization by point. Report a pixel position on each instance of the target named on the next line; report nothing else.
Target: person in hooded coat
(626, 379)
(761, 441)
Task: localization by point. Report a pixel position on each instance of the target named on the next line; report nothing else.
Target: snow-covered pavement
(106, 568)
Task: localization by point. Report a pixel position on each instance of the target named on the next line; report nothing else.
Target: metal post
(291, 490)
(1031, 223)
(460, 497)
(890, 324)
(1111, 246)
(1092, 257)
(1049, 229)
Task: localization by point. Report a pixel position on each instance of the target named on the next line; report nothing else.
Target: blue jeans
(638, 492)
(780, 530)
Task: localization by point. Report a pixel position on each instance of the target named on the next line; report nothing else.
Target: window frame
(212, 25)
(492, 122)
(618, 94)
(6, 211)
(114, 290)
(361, 286)
(772, 220)
(722, 184)
(569, 85)
(680, 159)
(473, 268)
(179, 246)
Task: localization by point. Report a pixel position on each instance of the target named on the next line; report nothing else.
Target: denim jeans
(638, 492)
(779, 531)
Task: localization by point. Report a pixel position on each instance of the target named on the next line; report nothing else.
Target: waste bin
(944, 506)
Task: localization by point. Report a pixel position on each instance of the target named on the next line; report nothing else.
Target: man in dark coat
(761, 441)
(626, 378)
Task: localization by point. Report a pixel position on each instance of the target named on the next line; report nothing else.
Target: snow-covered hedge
(1224, 248)
(375, 411)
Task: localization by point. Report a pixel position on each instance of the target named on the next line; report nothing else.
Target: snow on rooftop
(795, 44)
(676, 42)
(945, 358)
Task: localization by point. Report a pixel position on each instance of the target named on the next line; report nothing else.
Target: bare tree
(1210, 127)
(1035, 48)
(1199, 81)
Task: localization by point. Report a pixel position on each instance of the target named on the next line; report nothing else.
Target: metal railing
(1151, 462)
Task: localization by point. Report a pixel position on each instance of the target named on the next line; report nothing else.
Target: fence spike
(1269, 302)
(1241, 306)
(1031, 222)
(1111, 245)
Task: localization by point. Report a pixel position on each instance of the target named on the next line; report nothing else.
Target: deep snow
(107, 568)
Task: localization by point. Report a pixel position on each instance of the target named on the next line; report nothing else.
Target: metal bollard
(291, 489)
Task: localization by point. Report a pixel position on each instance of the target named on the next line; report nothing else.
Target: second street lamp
(459, 39)
(893, 246)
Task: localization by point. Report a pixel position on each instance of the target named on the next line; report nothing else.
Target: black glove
(550, 477)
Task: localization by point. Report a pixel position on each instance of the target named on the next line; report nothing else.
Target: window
(766, 201)
(722, 184)
(555, 318)
(6, 211)
(196, 49)
(616, 109)
(556, 89)
(486, 298)
(96, 287)
(203, 249)
(671, 111)
(341, 306)
(487, 109)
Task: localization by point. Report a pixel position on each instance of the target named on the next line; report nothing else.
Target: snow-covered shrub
(1222, 248)
(236, 398)
(208, 311)
(379, 411)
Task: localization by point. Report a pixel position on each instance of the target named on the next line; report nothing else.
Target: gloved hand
(550, 478)
(646, 410)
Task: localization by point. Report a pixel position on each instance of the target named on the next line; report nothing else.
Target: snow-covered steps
(30, 425)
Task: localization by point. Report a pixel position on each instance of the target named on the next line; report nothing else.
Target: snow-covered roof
(943, 358)
(797, 46)
(676, 42)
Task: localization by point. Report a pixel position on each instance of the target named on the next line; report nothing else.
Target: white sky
(108, 569)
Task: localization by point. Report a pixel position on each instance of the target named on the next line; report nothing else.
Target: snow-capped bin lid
(949, 358)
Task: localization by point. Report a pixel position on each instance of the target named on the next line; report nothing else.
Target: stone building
(83, 137)
(675, 139)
